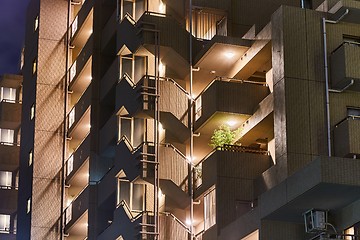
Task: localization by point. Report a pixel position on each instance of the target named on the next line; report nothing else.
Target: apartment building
(123, 98)
(10, 118)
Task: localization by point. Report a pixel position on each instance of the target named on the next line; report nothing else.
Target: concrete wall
(45, 131)
(299, 99)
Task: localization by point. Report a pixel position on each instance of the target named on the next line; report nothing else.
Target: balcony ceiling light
(229, 55)
(188, 222)
(231, 123)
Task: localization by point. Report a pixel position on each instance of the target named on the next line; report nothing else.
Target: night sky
(12, 31)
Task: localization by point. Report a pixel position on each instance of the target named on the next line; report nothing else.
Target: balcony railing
(346, 142)
(198, 170)
(325, 236)
(237, 148)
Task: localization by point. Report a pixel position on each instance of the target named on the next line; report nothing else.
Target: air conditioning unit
(315, 220)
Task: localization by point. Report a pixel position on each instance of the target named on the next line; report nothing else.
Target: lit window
(70, 165)
(72, 71)
(349, 231)
(36, 23)
(306, 4)
(74, 26)
(4, 223)
(32, 112)
(131, 193)
(31, 157)
(132, 128)
(68, 214)
(71, 117)
(8, 94)
(5, 179)
(162, 7)
(198, 108)
(207, 23)
(7, 136)
(210, 209)
(34, 66)
(134, 67)
(198, 175)
(28, 205)
(353, 112)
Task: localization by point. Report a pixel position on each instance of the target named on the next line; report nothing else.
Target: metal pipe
(327, 101)
(344, 88)
(67, 42)
(326, 72)
(191, 127)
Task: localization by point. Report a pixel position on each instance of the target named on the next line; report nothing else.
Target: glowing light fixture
(188, 222)
(161, 127)
(162, 69)
(160, 193)
(231, 123)
(229, 55)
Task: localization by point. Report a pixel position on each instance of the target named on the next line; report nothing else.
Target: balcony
(79, 117)
(230, 169)
(82, 26)
(124, 223)
(77, 215)
(80, 71)
(135, 225)
(9, 157)
(346, 137)
(225, 161)
(10, 114)
(139, 162)
(78, 158)
(139, 100)
(174, 41)
(217, 56)
(8, 199)
(225, 100)
(345, 73)
(340, 8)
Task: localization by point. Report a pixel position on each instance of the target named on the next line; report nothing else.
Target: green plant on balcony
(223, 135)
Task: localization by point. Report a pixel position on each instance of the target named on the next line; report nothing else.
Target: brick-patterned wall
(46, 194)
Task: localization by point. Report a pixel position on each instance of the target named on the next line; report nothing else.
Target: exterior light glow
(231, 123)
(229, 55)
(161, 127)
(160, 193)
(162, 69)
(162, 7)
(68, 202)
(188, 222)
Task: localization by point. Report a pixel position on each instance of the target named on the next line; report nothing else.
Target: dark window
(306, 4)
(353, 111)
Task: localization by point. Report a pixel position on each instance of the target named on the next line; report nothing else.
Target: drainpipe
(191, 126)
(326, 69)
(67, 43)
(344, 88)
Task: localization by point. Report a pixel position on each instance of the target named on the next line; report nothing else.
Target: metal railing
(353, 117)
(237, 148)
(227, 79)
(326, 236)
